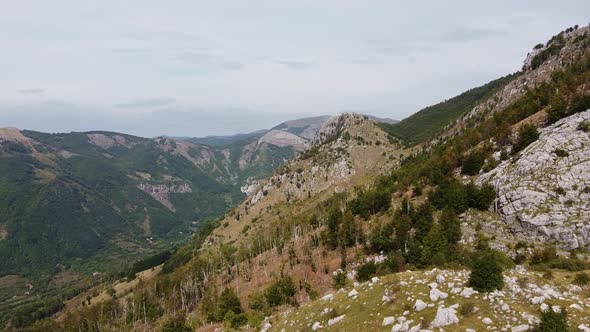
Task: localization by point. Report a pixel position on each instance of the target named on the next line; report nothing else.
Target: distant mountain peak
(284, 139)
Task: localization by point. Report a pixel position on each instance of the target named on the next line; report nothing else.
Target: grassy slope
(428, 122)
(367, 311)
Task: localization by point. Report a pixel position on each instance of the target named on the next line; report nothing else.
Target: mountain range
(471, 214)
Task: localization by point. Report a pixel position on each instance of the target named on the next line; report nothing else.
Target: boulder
(388, 321)
(401, 327)
(265, 326)
(445, 317)
(420, 305)
(316, 326)
(335, 320)
(436, 295)
(467, 292)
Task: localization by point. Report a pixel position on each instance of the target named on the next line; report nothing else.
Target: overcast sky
(195, 68)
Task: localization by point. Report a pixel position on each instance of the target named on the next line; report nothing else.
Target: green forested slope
(65, 199)
(431, 120)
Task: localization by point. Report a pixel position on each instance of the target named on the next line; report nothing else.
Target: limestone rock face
(445, 317)
(529, 78)
(283, 138)
(161, 192)
(544, 191)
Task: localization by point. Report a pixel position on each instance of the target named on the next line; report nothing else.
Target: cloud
(34, 91)
(61, 116)
(194, 57)
(232, 65)
(404, 48)
(391, 57)
(146, 103)
(298, 65)
(468, 34)
(204, 61)
(128, 50)
(521, 21)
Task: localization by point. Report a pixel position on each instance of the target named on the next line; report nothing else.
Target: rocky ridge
(284, 138)
(575, 45)
(544, 191)
(341, 149)
(351, 150)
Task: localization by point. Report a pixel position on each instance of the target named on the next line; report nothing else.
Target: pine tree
(423, 221)
(450, 226)
(486, 274)
(435, 247)
(380, 238)
(228, 301)
(403, 226)
(348, 231)
(331, 233)
(413, 252)
(552, 321)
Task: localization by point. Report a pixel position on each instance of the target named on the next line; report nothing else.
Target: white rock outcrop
(420, 305)
(436, 295)
(388, 321)
(467, 292)
(544, 191)
(283, 138)
(335, 320)
(445, 317)
(520, 328)
(316, 326)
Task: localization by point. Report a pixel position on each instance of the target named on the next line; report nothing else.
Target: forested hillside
(80, 205)
(432, 120)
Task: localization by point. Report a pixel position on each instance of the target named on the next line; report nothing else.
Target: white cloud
(115, 60)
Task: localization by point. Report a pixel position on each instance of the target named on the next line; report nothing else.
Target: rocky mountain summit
(544, 191)
(561, 50)
(342, 148)
(284, 138)
(306, 128)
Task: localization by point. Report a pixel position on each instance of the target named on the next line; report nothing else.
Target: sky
(197, 68)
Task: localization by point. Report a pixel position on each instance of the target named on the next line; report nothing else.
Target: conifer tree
(402, 231)
(228, 301)
(450, 226)
(435, 247)
(348, 230)
(423, 221)
(552, 321)
(486, 274)
(331, 233)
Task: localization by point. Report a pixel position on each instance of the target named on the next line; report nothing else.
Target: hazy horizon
(198, 69)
